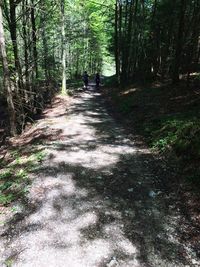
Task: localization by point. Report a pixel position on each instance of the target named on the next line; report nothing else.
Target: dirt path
(97, 200)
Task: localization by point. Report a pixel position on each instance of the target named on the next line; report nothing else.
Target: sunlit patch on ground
(132, 90)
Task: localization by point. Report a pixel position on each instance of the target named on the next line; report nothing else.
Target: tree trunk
(7, 82)
(117, 59)
(34, 39)
(127, 46)
(64, 89)
(24, 25)
(179, 43)
(45, 45)
(13, 33)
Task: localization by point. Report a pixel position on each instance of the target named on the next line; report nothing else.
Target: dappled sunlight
(131, 90)
(95, 158)
(89, 142)
(58, 108)
(94, 200)
(56, 231)
(124, 245)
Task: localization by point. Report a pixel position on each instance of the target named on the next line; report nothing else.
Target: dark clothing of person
(85, 79)
(97, 79)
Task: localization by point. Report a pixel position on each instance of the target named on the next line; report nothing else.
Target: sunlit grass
(14, 177)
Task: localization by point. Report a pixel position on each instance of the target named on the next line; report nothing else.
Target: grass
(14, 176)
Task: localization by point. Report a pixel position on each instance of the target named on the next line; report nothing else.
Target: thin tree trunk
(64, 89)
(13, 33)
(34, 37)
(133, 44)
(45, 45)
(127, 45)
(179, 43)
(24, 25)
(117, 59)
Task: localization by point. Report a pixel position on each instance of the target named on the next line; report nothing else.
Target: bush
(181, 135)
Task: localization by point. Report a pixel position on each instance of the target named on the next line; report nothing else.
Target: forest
(44, 44)
(148, 55)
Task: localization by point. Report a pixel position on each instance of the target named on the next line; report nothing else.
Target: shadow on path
(97, 200)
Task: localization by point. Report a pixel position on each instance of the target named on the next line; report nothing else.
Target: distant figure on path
(97, 80)
(85, 79)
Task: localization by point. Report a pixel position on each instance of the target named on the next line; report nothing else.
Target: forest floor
(96, 196)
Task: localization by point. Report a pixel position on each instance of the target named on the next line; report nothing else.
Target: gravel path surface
(97, 200)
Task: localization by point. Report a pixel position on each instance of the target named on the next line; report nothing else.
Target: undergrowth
(15, 175)
(181, 135)
(183, 138)
(169, 120)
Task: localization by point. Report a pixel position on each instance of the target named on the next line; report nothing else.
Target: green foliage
(87, 36)
(14, 178)
(5, 175)
(167, 118)
(110, 81)
(181, 135)
(9, 263)
(6, 199)
(5, 185)
(40, 156)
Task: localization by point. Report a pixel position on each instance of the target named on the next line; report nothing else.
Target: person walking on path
(97, 80)
(85, 79)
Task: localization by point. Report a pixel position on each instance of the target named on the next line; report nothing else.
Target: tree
(179, 42)
(156, 39)
(63, 49)
(7, 81)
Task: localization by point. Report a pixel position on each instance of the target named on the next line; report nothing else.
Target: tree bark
(117, 59)
(7, 82)
(34, 39)
(24, 25)
(64, 89)
(13, 33)
(45, 45)
(179, 43)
